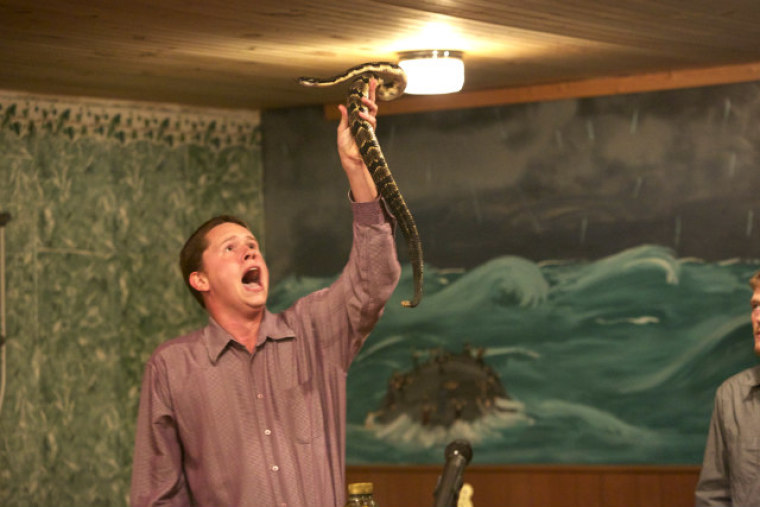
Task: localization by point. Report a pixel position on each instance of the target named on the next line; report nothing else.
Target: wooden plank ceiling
(248, 54)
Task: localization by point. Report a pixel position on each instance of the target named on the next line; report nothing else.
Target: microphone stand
(4, 219)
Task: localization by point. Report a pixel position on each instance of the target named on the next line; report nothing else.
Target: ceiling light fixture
(433, 71)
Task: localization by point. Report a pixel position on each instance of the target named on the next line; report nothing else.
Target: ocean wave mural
(607, 361)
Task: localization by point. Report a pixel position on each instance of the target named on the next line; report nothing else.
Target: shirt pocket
(302, 412)
(745, 463)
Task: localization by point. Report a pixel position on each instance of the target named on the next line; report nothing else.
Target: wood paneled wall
(538, 485)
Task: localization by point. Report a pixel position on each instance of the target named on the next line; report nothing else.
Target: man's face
(234, 276)
(755, 302)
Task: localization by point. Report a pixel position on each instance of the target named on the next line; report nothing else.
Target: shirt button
(267, 432)
(259, 396)
(275, 468)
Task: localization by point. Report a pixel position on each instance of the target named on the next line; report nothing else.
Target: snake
(391, 82)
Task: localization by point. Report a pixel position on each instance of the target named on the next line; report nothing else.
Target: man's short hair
(191, 255)
(754, 282)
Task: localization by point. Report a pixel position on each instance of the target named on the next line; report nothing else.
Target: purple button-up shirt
(218, 426)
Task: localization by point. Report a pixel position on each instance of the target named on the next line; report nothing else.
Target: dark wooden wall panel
(538, 485)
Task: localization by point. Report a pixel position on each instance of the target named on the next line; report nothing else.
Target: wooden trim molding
(675, 79)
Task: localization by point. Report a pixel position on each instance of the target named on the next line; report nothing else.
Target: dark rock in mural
(445, 389)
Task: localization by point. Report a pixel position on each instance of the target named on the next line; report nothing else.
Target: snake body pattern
(391, 82)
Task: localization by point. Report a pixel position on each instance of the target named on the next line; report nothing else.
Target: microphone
(458, 454)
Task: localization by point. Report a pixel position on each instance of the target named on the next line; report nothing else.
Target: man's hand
(362, 187)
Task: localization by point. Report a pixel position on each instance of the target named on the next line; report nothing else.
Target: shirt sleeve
(157, 473)
(713, 488)
(343, 314)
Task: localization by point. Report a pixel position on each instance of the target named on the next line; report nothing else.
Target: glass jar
(360, 494)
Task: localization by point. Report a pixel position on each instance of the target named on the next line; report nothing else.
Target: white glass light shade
(432, 72)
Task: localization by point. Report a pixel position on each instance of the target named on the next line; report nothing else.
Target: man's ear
(198, 281)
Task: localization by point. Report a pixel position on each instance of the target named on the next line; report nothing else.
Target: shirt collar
(273, 327)
(753, 379)
(216, 339)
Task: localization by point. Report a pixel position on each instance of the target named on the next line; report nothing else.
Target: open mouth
(252, 276)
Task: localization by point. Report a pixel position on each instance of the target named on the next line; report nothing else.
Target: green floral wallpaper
(102, 196)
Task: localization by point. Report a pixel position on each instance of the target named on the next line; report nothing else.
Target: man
(250, 410)
(731, 468)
